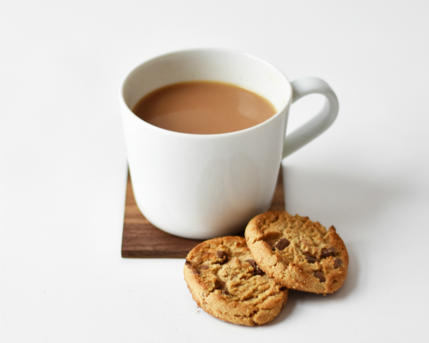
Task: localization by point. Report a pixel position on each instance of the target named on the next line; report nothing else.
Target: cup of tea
(205, 136)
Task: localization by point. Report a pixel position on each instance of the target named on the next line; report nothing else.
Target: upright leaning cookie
(226, 282)
(298, 253)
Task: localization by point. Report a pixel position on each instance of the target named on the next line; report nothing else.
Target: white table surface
(63, 166)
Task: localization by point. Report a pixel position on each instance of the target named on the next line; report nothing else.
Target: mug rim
(214, 135)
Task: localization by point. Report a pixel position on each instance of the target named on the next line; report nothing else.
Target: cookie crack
(250, 316)
(253, 314)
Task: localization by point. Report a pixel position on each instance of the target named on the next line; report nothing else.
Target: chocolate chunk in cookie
(222, 256)
(326, 252)
(311, 259)
(282, 244)
(319, 275)
(337, 263)
(256, 269)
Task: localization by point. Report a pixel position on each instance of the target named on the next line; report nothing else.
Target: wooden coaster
(142, 239)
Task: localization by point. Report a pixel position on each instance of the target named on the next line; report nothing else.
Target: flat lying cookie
(298, 253)
(226, 282)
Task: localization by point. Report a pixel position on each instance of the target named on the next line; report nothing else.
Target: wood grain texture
(141, 239)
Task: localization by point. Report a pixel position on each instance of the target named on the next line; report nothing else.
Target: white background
(63, 166)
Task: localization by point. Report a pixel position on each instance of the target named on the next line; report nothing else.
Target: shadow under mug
(205, 186)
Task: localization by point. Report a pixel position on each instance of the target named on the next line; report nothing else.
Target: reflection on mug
(228, 192)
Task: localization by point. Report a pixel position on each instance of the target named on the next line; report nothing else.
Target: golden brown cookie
(298, 253)
(226, 282)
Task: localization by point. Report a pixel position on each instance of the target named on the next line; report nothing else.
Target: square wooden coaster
(141, 239)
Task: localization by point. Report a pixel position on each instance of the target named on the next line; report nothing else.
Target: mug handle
(322, 121)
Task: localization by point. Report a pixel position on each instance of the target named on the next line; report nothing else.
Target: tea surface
(203, 107)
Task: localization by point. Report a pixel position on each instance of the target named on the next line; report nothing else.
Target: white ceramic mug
(204, 186)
